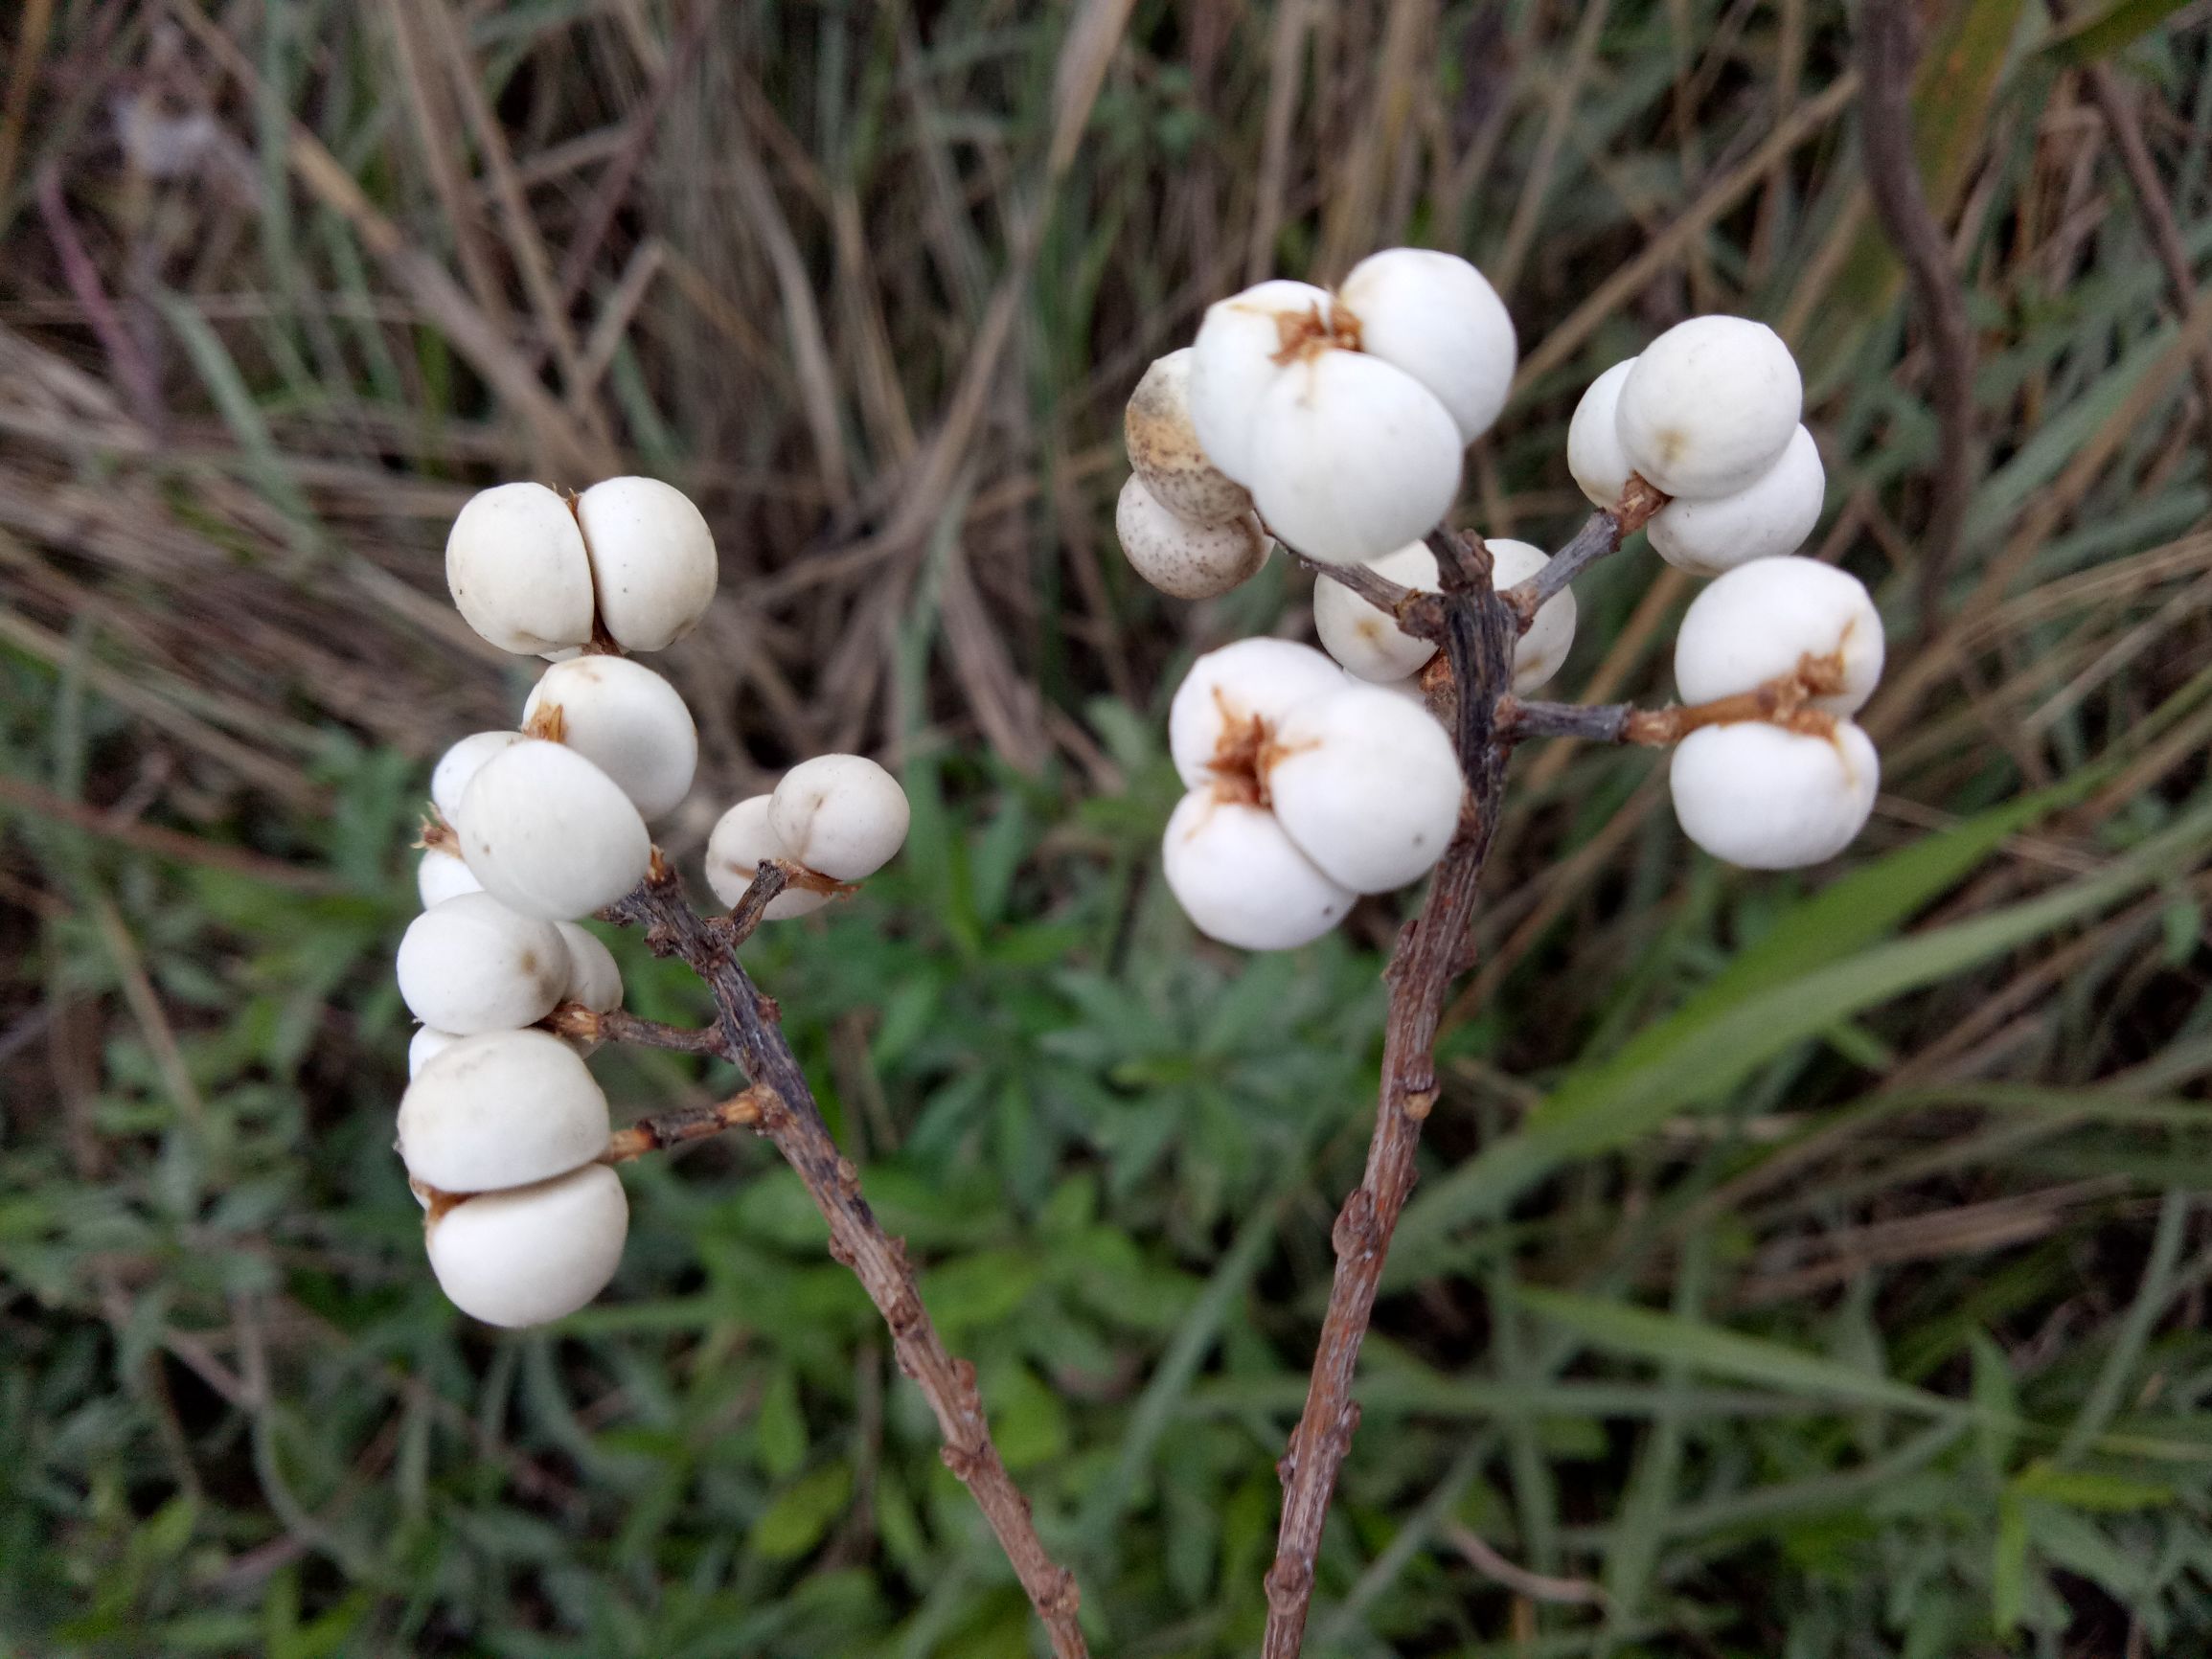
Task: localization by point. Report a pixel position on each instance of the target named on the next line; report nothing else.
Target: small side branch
(665, 1130)
(786, 1114)
(1786, 700)
(1417, 613)
(572, 1019)
(1887, 54)
(1600, 538)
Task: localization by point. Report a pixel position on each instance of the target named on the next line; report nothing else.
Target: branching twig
(786, 1114)
(572, 1019)
(1886, 56)
(667, 1130)
(1418, 613)
(1479, 632)
(1784, 700)
(1599, 537)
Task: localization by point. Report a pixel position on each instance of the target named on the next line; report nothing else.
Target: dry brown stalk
(782, 1107)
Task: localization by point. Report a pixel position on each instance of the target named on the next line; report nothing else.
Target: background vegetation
(1805, 1266)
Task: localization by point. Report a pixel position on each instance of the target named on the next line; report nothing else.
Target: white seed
(1758, 622)
(627, 721)
(743, 836)
(427, 1042)
(1539, 652)
(534, 1253)
(1166, 453)
(1231, 691)
(1408, 690)
(1435, 316)
(1352, 457)
(550, 835)
(1366, 786)
(1182, 558)
(457, 765)
(1709, 406)
(1240, 879)
(653, 560)
(1769, 517)
(515, 563)
(472, 964)
(501, 1110)
(442, 875)
(1239, 353)
(1766, 798)
(1600, 466)
(1366, 638)
(842, 815)
(594, 980)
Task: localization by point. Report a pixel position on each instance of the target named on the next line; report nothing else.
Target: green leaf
(1674, 1340)
(2098, 36)
(2090, 1489)
(795, 1522)
(780, 1430)
(2008, 1586)
(1727, 1032)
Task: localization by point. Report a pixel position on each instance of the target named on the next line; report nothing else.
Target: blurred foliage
(1808, 1266)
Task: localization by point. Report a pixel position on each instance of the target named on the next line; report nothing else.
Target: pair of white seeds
(1708, 414)
(502, 1126)
(1307, 789)
(1333, 420)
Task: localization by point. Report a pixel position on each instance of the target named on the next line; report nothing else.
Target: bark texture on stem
(786, 1114)
(1480, 628)
(1600, 538)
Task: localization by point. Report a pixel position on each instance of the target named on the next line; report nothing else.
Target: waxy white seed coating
(450, 778)
(1182, 558)
(1539, 652)
(842, 815)
(1709, 406)
(472, 964)
(1234, 361)
(1435, 316)
(1765, 798)
(427, 1042)
(1366, 786)
(1769, 517)
(1164, 451)
(1366, 638)
(743, 836)
(1240, 879)
(1600, 466)
(499, 1110)
(550, 835)
(1352, 457)
(519, 576)
(1227, 690)
(1758, 622)
(653, 560)
(627, 721)
(532, 1253)
(594, 980)
(441, 875)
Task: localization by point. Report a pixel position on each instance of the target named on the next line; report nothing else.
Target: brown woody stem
(786, 1114)
(1784, 700)
(1479, 626)
(1599, 537)
(572, 1019)
(665, 1130)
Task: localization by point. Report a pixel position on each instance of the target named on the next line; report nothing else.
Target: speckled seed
(1184, 560)
(1164, 451)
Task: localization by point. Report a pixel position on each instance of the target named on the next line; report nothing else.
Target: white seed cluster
(1307, 789)
(502, 1127)
(1774, 795)
(1339, 418)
